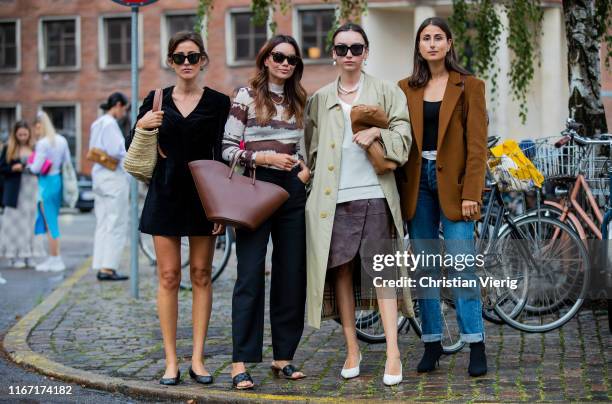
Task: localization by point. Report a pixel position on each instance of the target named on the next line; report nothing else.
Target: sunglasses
(193, 58)
(356, 49)
(279, 58)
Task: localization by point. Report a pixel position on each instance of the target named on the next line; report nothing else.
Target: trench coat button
(439, 167)
(330, 167)
(323, 215)
(327, 191)
(332, 145)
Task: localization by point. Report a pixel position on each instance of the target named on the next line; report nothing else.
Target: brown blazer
(462, 152)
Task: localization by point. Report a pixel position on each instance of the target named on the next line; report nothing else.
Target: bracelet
(146, 131)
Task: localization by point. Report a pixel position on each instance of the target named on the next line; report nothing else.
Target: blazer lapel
(415, 108)
(454, 88)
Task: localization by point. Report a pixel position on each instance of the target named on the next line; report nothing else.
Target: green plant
(204, 8)
(603, 16)
(524, 28)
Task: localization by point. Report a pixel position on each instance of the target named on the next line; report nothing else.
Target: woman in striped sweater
(264, 130)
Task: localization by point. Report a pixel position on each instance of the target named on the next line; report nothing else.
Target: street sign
(134, 3)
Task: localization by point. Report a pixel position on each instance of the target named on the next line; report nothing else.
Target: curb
(16, 346)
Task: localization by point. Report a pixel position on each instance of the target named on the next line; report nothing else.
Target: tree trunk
(584, 66)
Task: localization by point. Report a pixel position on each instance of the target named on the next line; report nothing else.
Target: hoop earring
(365, 62)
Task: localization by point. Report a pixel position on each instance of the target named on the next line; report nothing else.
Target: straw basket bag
(141, 157)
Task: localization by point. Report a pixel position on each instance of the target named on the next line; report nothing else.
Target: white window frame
(297, 29)
(15, 105)
(164, 36)
(102, 56)
(17, 22)
(229, 37)
(42, 50)
(77, 123)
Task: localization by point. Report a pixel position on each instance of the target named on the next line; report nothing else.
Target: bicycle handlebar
(563, 141)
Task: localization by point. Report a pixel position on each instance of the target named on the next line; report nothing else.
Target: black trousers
(288, 284)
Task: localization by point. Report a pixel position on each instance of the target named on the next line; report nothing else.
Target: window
(9, 45)
(8, 117)
(59, 43)
(118, 40)
(247, 38)
(176, 23)
(314, 27)
(64, 120)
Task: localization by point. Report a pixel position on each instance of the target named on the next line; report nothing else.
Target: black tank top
(431, 115)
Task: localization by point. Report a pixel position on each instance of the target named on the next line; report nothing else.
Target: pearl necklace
(344, 91)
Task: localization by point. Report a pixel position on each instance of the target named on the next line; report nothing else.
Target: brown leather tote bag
(372, 116)
(235, 200)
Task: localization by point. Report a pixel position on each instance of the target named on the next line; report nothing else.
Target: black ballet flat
(113, 276)
(199, 378)
(171, 381)
(242, 377)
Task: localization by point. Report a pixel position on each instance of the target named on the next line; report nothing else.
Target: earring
(334, 63)
(201, 68)
(365, 62)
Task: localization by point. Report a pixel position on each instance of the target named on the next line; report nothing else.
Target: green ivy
(603, 20)
(348, 10)
(204, 8)
(477, 28)
(524, 29)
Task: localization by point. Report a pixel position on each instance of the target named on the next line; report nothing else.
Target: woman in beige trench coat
(325, 140)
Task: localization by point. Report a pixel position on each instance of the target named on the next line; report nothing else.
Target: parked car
(85, 203)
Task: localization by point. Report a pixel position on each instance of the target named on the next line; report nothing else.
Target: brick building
(66, 56)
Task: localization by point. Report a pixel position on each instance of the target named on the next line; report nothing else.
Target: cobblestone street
(97, 327)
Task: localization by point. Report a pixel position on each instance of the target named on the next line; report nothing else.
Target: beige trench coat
(323, 137)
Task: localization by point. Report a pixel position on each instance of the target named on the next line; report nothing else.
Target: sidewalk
(96, 334)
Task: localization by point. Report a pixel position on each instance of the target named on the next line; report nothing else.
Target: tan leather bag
(101, 157)
(141, 157)
(372, 116)
(236, 200)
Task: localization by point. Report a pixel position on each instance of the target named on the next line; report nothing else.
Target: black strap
(242, 377)
(289, 370)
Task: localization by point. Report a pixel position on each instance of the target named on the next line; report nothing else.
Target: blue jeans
(458, 239)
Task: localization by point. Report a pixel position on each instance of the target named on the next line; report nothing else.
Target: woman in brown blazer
(443, 181)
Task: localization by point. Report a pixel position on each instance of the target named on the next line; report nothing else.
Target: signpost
(134, 4)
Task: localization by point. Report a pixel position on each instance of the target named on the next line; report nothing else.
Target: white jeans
(111, 206)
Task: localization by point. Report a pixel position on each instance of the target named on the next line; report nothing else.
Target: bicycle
(502, 238)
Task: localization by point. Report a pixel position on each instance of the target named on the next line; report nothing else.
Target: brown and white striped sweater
(280, 135)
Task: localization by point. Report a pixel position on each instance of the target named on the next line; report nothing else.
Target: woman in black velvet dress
(191, 125)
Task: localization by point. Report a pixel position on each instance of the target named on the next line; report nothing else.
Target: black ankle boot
(478, 359)
(431, 357)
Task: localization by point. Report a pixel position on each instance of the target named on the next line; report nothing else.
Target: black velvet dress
(172, 206)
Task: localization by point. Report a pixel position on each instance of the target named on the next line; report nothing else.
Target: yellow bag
(513, 169)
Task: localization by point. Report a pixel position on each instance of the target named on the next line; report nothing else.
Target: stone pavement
(98, 328)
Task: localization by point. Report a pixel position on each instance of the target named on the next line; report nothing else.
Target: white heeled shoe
(351, 372)
(392, 380)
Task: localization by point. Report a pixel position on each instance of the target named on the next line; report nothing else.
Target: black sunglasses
(356, 49)
(279, 58)
(193, 58)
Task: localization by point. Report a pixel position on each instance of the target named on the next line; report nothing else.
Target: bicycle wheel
(369, 326)
(147, 247)
(552, 273)
(451, 339)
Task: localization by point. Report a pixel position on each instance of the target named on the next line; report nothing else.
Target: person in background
(17, 240)
(52, 148)
(111, 189)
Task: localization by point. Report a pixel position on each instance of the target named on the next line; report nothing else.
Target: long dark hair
(295, 94)
(13, 143)
(420, 71)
